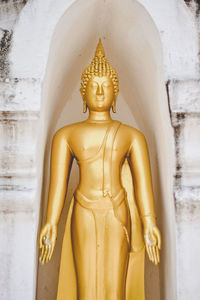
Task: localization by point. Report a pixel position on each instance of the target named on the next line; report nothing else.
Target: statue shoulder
(66, 131)
(134, 134)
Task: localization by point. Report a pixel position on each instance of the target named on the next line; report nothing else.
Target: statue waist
(105, 202)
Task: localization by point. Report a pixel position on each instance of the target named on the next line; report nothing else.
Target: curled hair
(99, 67)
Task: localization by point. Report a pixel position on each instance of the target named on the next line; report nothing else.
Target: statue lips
(100, 100)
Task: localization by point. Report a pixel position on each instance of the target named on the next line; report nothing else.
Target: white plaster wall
(179, 35)
(24, 135)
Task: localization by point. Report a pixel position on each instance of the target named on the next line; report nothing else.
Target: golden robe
(67, 286)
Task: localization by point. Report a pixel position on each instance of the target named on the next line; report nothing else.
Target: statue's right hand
(48, 237)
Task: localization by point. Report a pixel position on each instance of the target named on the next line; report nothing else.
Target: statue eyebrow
(102, 81)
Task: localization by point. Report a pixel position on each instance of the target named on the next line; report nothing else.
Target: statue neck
(99, 116)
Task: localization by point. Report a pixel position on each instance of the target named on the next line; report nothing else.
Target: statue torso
(87, 142)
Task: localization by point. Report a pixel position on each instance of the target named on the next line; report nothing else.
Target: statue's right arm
(61, 162)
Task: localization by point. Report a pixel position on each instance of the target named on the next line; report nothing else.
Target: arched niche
(133, 47)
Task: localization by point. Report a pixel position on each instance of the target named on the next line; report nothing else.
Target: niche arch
(134, 49)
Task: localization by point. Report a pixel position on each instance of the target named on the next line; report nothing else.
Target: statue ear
(84, 106)
(114, 106)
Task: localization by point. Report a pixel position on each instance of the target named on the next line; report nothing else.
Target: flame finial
(100, 50)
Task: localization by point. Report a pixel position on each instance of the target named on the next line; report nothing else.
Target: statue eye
(107, 84)
(93, 85)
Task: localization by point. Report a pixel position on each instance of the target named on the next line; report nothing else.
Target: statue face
(99, 93)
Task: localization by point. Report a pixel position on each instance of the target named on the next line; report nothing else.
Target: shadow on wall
(133, 47)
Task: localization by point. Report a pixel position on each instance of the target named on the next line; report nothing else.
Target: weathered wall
(184, 100)
(18, 120)
(26, 32)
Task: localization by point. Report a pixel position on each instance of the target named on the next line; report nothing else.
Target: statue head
(99, 79)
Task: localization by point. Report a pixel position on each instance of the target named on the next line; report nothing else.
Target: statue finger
(154, 255)
(159, 241)
(49, 253)
(151, 251)
(157, 253)
(148, 252)
(42, 253)
(45, 254)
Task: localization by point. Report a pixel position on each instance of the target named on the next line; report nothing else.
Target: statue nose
(100, 90)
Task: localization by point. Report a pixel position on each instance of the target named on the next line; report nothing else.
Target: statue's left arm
(140, 168)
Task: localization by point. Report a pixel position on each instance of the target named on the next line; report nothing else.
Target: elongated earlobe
(114, 106)
(84, 106)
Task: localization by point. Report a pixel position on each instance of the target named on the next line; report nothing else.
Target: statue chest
(94, 147)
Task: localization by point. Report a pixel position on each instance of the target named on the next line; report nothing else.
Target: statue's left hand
(152, 239)
(48, 236)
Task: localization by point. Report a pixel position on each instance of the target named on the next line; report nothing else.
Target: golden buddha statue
(111, 220)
